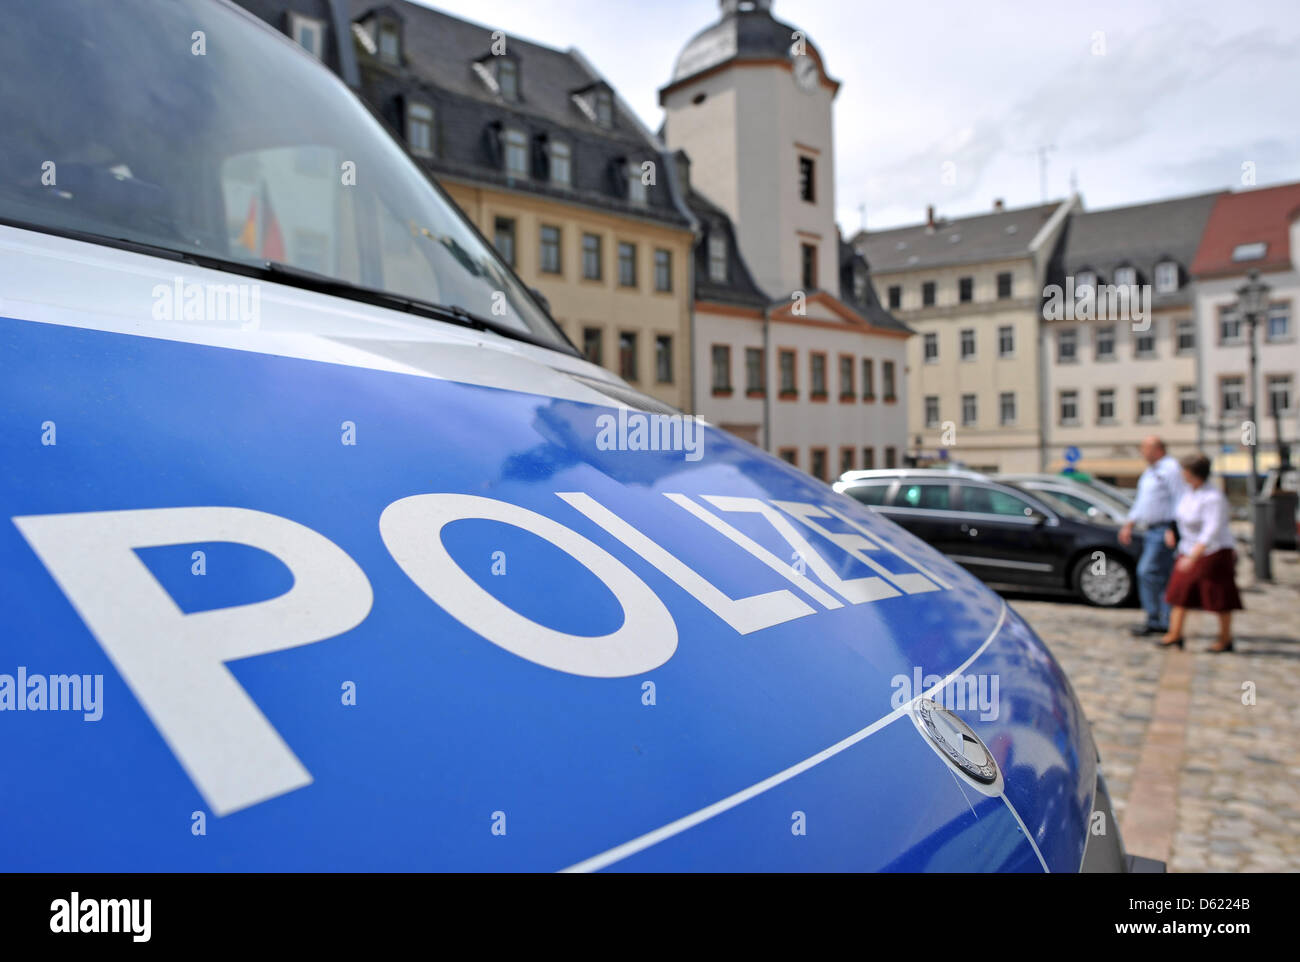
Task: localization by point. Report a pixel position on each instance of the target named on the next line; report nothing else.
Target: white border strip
(643, 842)
(1030, 838)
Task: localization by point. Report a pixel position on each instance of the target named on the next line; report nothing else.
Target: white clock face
(806, 73)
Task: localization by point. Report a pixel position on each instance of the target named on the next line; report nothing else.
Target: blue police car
(337, 556)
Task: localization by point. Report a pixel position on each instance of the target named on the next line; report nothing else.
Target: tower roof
(746, 31)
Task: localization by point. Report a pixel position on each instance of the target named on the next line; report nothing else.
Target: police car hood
(346, 589)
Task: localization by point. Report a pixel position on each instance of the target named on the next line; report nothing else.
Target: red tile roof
(1248, 217)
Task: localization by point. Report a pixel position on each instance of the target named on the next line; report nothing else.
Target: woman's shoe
(1171, 643)
(1222, 648)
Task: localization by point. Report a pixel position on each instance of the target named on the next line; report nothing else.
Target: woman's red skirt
(1208, 585)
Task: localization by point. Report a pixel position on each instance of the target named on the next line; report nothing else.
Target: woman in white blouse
(1204, 572)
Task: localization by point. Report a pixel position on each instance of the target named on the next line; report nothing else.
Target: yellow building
(553, 168)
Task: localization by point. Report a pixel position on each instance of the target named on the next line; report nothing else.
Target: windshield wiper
(308, 280)
(450, 313)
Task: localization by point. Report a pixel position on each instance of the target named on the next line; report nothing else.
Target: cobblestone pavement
(1198, 749)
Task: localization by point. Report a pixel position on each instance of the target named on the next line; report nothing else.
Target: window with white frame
(516, 153)
(1279, 390)
(1278, 327)
(419, 129)
(1186, 335)
(1229, 324)
(604, 109)
(968, 409)
(932, 410)
(1232, 390)
(1007, 408)
(390, 46)
(1188, 403)
(717, 257)
(1006, 341)
(508, 78)
(1068, 407)
(561, 163)
(1144, 342)
(1084, 281)
(1166, 277)
(1067, 346)
(309, 34)
(967, 343)
(1106, 342)
(1146, 404)
(1106, 405)
(1126, 276)
(636, 191)
(931, 348)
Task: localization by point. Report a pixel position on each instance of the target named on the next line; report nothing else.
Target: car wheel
(1102, 579)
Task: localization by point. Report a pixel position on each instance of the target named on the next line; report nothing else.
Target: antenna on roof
(1042, 152)
(862, 212)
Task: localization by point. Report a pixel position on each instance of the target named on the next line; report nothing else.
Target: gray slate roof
(739, 287)
(1139, 236)
(439, 52)
(1003, 235)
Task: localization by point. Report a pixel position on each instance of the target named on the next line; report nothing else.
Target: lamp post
(1252, 304)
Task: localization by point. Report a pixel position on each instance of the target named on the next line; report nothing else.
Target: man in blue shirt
(1159, 489)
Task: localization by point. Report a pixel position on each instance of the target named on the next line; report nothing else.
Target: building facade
(543, 157)
(1121, 356)
(793, 347)
(971, 290)
(1253, 230)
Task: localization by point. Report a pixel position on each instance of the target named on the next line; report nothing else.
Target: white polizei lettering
(888, 547)
(412, 531)
(174, 662)
(855, 590)
(745, 615)
(856, 545)
(785, 570)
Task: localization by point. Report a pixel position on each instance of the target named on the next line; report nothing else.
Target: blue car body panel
(448, 729)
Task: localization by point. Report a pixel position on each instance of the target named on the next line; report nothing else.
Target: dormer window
(1126, 276)
(419, 129)
(508, 78)
(859, 283)
(516, 152)
(561, 156)
(1085, 281)
(636, 192)
(308, 33)
(390, 43)
(718, 258)
(1166, 277)
(604, 108)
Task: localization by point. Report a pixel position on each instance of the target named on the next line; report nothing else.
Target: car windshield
(1060, 507)
(190, 125)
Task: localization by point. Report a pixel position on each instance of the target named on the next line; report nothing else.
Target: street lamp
(1252, 304)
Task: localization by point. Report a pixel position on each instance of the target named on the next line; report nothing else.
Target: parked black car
(1003, 534)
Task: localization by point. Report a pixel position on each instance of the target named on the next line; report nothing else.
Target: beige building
(971, 289)
(1121, 360)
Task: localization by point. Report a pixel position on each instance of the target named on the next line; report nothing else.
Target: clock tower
(750, 101)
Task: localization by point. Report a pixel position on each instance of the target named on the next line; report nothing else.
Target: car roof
(891, 473)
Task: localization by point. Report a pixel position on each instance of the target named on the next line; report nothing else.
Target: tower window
(808, 254)
(807, 180)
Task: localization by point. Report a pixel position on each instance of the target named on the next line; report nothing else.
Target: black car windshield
(188, 124)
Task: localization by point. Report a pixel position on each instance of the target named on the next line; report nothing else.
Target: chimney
(998, 206)
(929, 216)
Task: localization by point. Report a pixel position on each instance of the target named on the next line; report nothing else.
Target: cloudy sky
(1141, 99)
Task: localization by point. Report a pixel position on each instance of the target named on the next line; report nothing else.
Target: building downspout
(769, 381)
